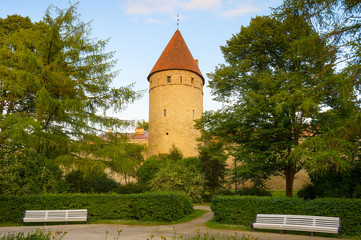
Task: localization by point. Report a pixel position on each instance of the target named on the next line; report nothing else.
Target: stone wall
(175, 101)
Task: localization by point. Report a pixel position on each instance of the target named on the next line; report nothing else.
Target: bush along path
(139, 232)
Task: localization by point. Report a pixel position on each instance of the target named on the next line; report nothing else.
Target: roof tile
(176, 56)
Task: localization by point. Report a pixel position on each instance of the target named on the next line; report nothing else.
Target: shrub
(346, 184)
(78, 183)
(254, 191)
(132, 188)
(148, 169)
(308, 192)
(158, 207)
(207, 236)
(38, 235)
(242, 210)
(16, 179)
(174, 176)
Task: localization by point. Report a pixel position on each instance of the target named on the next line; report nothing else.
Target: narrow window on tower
(169, 79)
(192, 80)
(165, 112)
(180, 79)
(193, 113)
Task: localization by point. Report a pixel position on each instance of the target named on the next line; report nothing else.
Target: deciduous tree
(271, 89)
(337, 139)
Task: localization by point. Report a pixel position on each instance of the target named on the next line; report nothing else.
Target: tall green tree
(55, 88)
(54, 79)
(213, 159)
(338, 135)
(271, 91)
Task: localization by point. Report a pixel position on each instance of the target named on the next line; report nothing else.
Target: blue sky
(139, 30)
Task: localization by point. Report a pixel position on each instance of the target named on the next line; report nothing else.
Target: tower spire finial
(177, 21)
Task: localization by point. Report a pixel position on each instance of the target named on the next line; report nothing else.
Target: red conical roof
(176, 56)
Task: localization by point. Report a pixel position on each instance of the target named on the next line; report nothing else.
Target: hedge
(158, 207)
(242, 210)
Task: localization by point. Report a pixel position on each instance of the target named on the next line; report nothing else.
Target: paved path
(137, 232)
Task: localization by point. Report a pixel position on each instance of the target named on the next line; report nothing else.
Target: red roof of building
(140, 136)
(176, 56)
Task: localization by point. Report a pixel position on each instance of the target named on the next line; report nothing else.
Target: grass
(216, 225)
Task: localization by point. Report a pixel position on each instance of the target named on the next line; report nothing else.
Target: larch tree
(271, 92)
(56, 84)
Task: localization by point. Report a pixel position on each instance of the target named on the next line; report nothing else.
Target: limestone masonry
(175, 100)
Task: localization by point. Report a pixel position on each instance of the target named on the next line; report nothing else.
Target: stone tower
(175, 100)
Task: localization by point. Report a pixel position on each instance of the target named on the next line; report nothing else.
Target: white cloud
(225, 8)
(143, 7)
(241, 10)
(134, 19)
(152, 20)
(203, 4)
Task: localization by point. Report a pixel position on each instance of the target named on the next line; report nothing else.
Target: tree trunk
(290, 177)
(235, 177)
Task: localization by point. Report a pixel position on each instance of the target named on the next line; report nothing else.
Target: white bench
(45, 216)
(298, 223)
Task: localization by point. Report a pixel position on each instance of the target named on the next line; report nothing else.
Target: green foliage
(132, 188)
(242, 210)
(143, 124)
(268, 82)
(54, 80)
(172, 172)
(176, 176)
(24, 171)
(175, 154)
(213, 161)
(346, 184)
(253, 191)
(121, 157)
(148, 169)
(208, 236)
(97, 183)
(338, 134)
(38, 235)
(156, 207)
